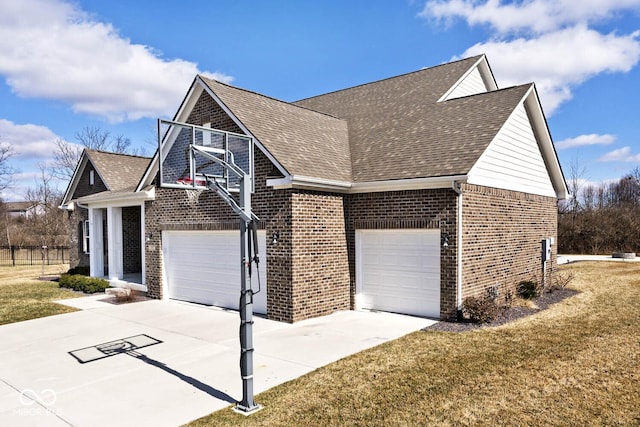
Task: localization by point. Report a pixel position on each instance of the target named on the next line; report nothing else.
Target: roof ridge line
(117, 154)
(388, 78)
(292, 104)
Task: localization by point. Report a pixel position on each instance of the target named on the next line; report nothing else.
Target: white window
(92, 177)
(85, 237)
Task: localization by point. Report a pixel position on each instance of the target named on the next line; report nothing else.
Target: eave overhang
(109, 199)
(310, 183)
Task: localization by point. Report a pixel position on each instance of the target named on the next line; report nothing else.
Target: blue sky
(119, 65)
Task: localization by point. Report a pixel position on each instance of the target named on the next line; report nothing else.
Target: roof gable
(305, 142)
(478, 79)
(118, 172)
(513, 160)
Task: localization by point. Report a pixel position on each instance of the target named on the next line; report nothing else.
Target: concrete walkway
(66, 369)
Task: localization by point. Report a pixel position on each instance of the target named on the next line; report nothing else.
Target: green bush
(480, 309)
(81, 269)
(78, 282)
(528, 289)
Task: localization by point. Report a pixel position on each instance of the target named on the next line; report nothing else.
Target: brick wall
(502, 233)
(319, 261)
(408, 209)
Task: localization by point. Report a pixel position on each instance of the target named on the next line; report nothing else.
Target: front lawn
(23, 296)
(576, 363)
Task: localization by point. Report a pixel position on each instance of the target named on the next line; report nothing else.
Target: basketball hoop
(198, 158)
(193, 194)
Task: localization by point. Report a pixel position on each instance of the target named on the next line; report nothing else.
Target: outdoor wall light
(275, 236)
(149, 236)
(445, 240)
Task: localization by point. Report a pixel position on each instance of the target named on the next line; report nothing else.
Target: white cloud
(548, 42)
(560, 60)
(51, 49)
(620, 155)
(584, 140)
(533, 16)
(29, 141)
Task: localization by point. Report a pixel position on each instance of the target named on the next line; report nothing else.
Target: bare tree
(6, 169)
(65, 159)
(47, 224)
(122, 144)
(577, 176)
(66, 154)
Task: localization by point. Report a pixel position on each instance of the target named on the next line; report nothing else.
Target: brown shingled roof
(398, 130)
(305, 142)
(120, 172)
(390, 129)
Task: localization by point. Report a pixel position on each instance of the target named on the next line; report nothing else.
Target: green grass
(575, 363)
(24, 297)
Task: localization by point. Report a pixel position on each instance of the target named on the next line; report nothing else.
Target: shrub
(80, 269)
(528, 289)
(78, 282)
(480, 309)
(562, 279)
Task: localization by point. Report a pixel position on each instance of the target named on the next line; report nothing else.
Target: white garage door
(204, 267)
(398, 271)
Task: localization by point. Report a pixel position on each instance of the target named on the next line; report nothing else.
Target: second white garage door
(204, 267)
(398, 271)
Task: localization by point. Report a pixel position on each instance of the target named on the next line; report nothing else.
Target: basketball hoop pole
(247, 405)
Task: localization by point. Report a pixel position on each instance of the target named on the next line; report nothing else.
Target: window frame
(86, 237)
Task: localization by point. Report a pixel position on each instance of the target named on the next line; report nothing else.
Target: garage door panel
(399, 271)
(204, 267)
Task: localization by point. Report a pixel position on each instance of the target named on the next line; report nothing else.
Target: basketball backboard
(181, 166)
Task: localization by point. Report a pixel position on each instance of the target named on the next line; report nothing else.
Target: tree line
(600, 219)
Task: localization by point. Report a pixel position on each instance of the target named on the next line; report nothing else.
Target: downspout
(458, 190)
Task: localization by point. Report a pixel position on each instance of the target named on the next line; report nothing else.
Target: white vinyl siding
(204, 267)
(471, 84)
(398, 271)
(513, 160)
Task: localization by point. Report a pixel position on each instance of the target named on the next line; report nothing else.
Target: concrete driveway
(185, 364)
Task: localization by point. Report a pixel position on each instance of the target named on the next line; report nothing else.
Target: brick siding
(502, 234)
(319, 259)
